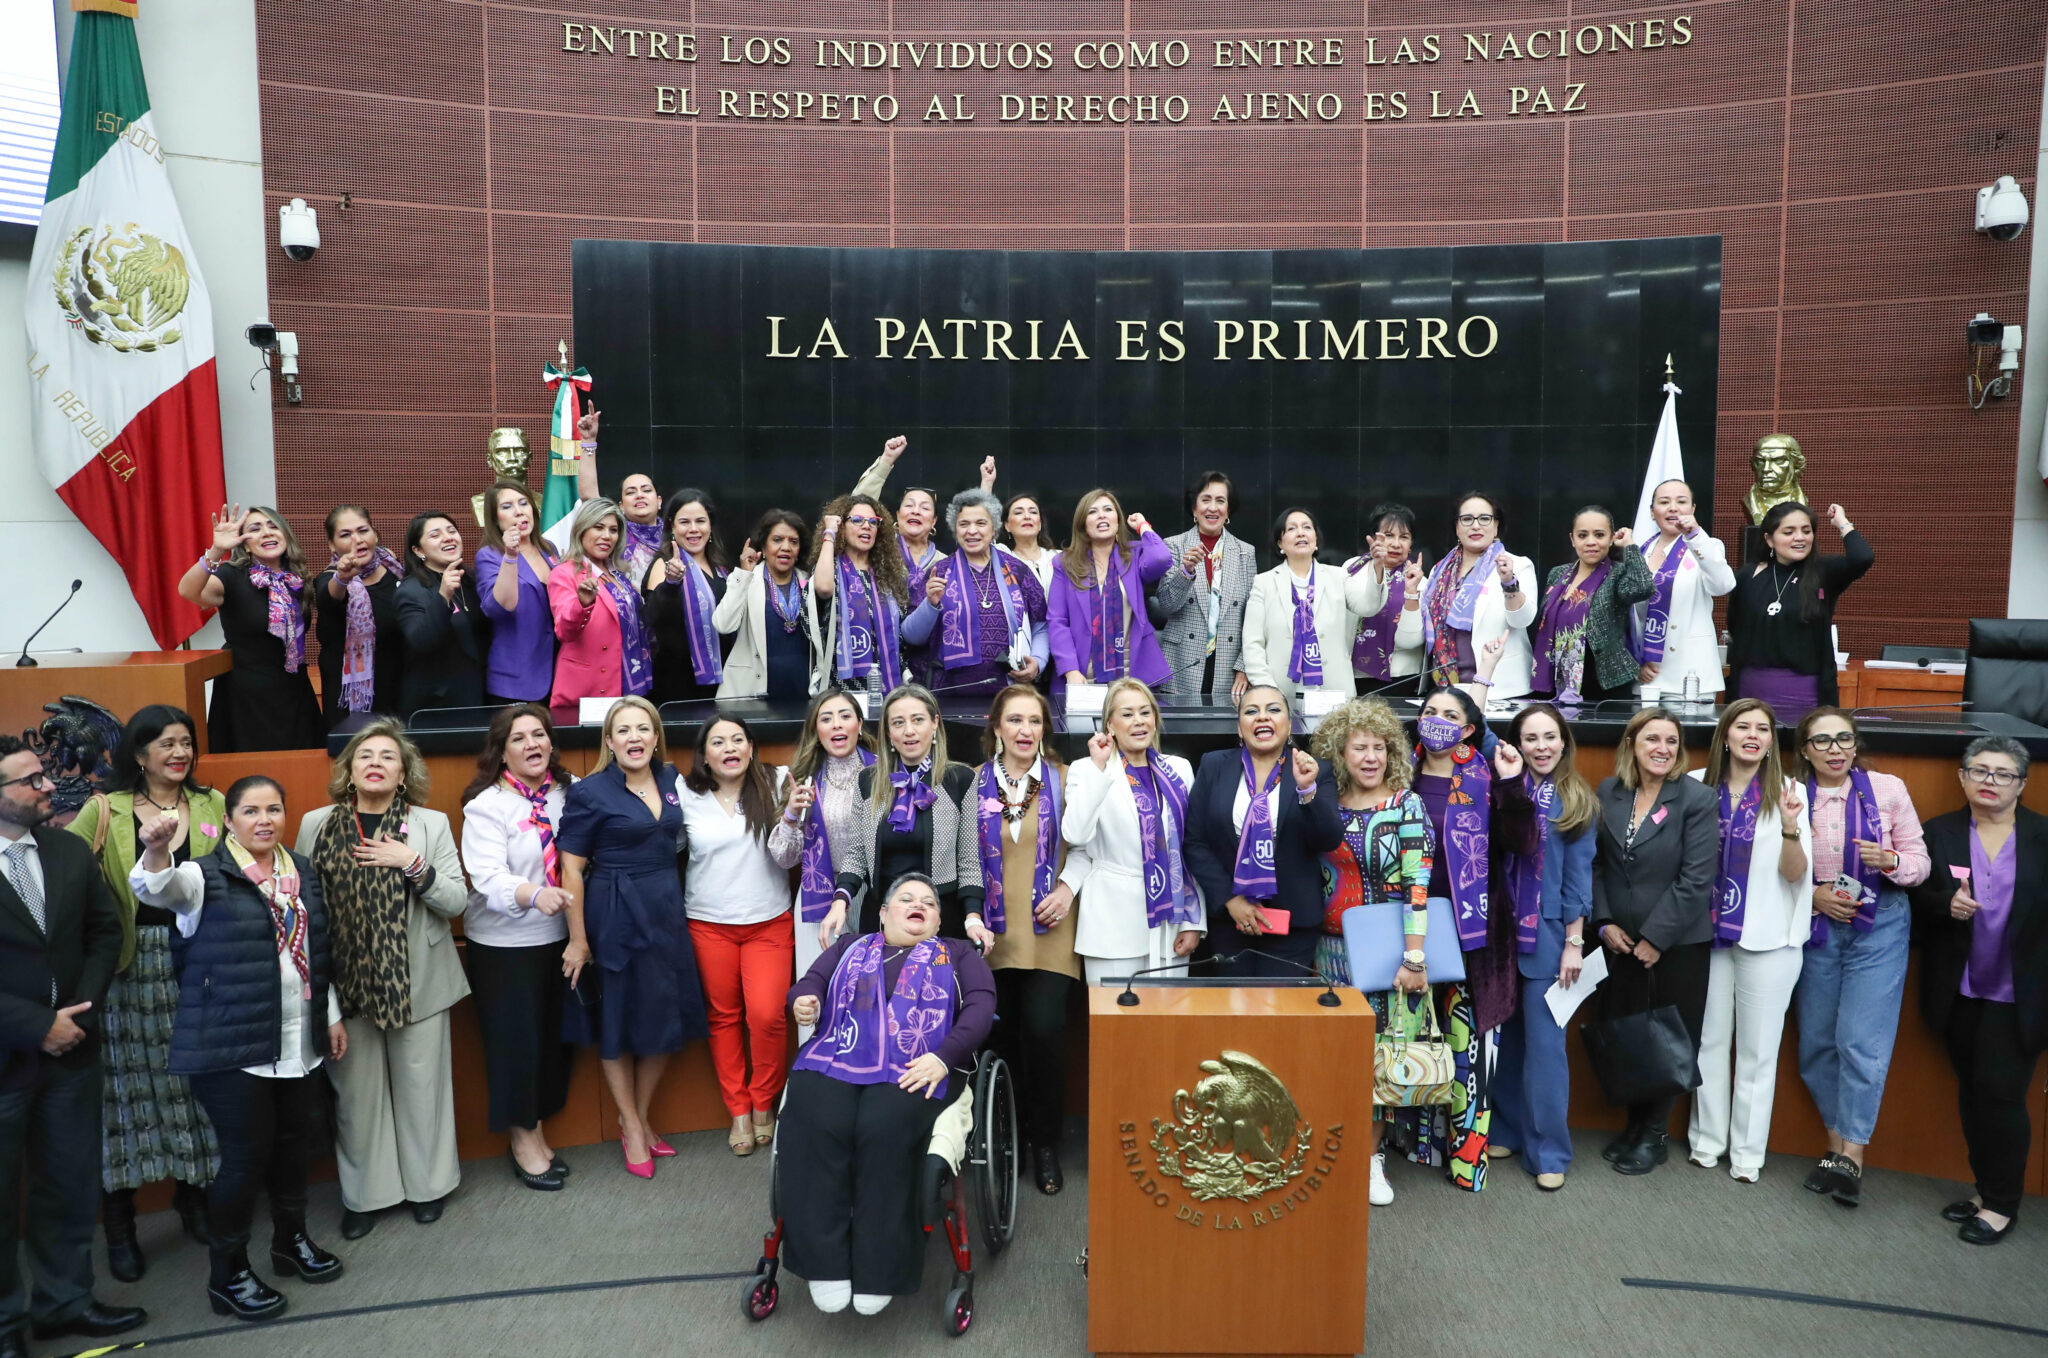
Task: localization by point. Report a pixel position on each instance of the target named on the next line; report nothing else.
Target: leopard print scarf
(366, 913)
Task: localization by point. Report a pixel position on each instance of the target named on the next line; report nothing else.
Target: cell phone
(1848, 886)
(1275, 921)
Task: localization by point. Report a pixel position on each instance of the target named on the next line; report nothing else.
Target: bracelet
(788, 818)
(1486, 683)
(208, 564)
(1794, 836)
(588, 445)
(1415, 967)
(416, 867)
(1513, 585)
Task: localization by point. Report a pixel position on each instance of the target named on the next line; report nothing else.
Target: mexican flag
(124, 415)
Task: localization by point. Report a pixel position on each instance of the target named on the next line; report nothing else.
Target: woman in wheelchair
(899, 1015)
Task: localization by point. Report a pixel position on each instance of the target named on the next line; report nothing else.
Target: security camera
(1985, 332)
(298, 230)
(262, 335)
(2001, 209)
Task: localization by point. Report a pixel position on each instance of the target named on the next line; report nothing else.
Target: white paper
(1085, 700)
(1564, 1003)
(1932, 667)
(590, 711)
(1020, 647)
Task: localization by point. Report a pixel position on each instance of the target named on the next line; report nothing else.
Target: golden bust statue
(506, 455)
(1777, 464)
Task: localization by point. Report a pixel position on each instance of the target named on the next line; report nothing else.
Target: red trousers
(747, 970)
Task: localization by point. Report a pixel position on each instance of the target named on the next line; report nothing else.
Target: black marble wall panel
(1560, 413)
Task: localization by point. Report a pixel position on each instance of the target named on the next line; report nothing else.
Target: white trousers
(1747, 995)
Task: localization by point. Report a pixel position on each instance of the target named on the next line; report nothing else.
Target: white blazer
(1406, 658)
(1777, 913)
(742, 614)
(1703, 576)
(1511, 677)
(1269, 625)
(1101, 819)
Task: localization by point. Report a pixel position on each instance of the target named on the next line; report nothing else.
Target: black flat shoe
(1978, 1231)
(427, 1213)
(97, 1321)
(299, 1257)
(548, 1181)
(1050, 1180)
(1821, 1179)
(1848, 1186)
(355, 1225)
(1652, 1151)
(1960, 1212)
(246, 1297)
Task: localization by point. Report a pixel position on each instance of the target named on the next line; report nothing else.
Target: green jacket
(1611, 659)
(207, 821)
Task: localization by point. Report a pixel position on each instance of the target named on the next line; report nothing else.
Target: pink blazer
(588, 663)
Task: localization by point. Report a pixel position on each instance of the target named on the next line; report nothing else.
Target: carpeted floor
(613, 1265)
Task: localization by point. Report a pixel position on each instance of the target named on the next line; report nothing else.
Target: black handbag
(1643, 1056)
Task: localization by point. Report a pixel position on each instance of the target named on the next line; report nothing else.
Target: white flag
(1666, 464)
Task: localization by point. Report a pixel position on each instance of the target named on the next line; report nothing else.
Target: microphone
(1328, 999)
(29, 662)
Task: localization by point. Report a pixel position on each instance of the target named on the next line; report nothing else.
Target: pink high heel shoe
(659, 1147)
(643, 1169)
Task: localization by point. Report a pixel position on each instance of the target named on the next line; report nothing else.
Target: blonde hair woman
(392, 881)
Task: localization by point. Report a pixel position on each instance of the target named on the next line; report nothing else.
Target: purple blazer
(1067, 617)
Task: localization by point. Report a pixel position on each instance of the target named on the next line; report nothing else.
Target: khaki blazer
(438, 980)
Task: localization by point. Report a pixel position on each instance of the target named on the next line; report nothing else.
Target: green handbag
(1412, 1067)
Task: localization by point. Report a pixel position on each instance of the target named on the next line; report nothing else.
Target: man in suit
(1198, 604)
(60, 941)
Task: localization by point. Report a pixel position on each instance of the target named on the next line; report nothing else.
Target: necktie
(25, 886)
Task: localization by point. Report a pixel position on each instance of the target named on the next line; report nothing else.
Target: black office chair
(2008, 667)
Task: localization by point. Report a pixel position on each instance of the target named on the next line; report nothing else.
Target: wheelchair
(988, 1167)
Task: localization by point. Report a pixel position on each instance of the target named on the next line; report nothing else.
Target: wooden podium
(1230, 1140)
(120, 681)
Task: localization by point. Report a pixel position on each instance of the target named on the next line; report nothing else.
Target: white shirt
(31, 863)
(1040, 569)
(1241, 801)
(731, 879)
(1101, 819)
(501, 853)
(182, 889)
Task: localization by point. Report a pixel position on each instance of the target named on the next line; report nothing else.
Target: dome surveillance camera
(2002, 209)
(298, 230)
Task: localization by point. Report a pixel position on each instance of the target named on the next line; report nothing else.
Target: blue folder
(1373, 938)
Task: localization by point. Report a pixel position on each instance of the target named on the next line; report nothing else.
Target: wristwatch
(1414, 956)
(1576, 940)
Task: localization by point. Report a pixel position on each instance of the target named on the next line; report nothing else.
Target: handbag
(1412, 1070)
(1643, 1056)
(1373, 938)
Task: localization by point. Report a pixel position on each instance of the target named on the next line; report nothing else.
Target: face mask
(1439, 733)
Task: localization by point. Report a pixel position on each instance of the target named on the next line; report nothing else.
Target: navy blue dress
(647, 999)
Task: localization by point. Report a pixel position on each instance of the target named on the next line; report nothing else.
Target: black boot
(1652, 1150)
(189, 1202)
(235, 1290)
(1050, 1180)
(1630, 1134)
(293, 1254)
(117, 1219)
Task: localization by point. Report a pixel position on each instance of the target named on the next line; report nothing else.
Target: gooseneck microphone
(1328, 999)
(29, 662)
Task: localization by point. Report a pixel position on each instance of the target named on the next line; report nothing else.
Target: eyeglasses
(33, 780)
(863, 521)
(1841, 741)
(1977, 773)
(1474, 520)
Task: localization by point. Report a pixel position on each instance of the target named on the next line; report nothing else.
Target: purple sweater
(973, 1016)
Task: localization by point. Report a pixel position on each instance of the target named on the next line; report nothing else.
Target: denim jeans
(1848, 1004)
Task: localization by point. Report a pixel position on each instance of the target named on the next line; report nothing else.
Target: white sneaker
(831, 1297)
(1381, 1192)
(1747, 1175)
(869, 1303)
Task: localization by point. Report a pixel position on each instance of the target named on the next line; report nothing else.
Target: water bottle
(1691, 687)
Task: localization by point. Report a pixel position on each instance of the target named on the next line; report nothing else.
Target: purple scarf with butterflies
(1465, 840)
(960, 614)
(1254, 878)
(1465, 602)
(698, 605)
(359, 639)
(1861, 820)
(867, 641)
(1738, 846)
(636, 661)
(637, 550)
(816, 886)
(1106, 659)
(989, 828)
(1372, 652)
(286, 622)
(1162, 820)
(913, 794)
(1305, 660)
(863, 1039)
(1525, 871)
(1657, 614)
(914, 569)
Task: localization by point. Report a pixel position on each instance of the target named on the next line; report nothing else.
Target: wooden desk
(120, 681)
(1864, 687)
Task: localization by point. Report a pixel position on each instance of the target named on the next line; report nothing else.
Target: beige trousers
(394, 1135)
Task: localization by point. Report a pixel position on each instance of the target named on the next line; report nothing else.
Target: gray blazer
(438, 980)
(1182, 602)
(1662, 887)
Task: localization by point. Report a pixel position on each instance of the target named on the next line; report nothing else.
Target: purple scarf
(913, 794)
(1657, 616)
(1561, 633)
(1466, 840)
(912, 568)
(359, 647)
(1106, 659)
(1861, 819)
(960, 614)
(989, 828)
(1305, 661)
(1525, 871)
(1465, 602)
(1253, 878)
(816, 886)
(1157, 791)
(636, 663)
(863, 1040)
(1372, 652)
(697, 609)
(642, 541)
(287, 623)
(1738, 843)
(868, 640)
